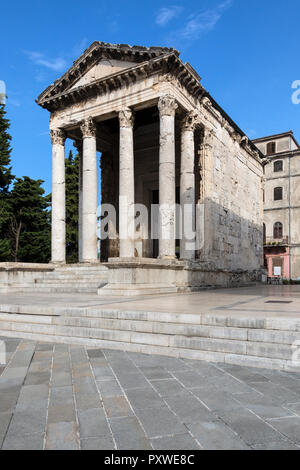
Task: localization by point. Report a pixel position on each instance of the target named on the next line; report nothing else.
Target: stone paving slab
(58, 396)
(240, 302)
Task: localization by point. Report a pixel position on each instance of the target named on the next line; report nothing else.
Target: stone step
(72, 277)
(56, 326)
(287, 324)
(79, 271)
(160, 327)
(88, 288)
(256, 341)
(212, 356)
(190, 330)
(235, 321)
(82, 280)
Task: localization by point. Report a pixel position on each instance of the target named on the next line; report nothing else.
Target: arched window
(278, 194)
(278, 230)
(271, 148)
(278, 166)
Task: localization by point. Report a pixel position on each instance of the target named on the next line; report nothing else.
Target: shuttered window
(278, 230)
(278, 166)
(278, 194)
(271, 148)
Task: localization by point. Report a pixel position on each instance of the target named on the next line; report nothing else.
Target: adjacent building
(281, 205)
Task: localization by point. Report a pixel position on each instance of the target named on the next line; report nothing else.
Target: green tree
(72, 174)
(5, 169)
(6, 178)
(5, 216)
(29, 226)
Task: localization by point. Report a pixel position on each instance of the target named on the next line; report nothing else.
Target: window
(278, 166)
(271, 148)
(278, 230)
(278, 194)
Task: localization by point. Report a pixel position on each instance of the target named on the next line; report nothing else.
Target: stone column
(187, 187)
(58, 214)
(167, 197)
(78, 146)
(89, 192)
(126, 185)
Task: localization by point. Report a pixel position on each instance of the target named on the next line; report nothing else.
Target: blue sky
(246, 51)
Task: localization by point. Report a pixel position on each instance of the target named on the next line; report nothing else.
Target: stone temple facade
(163, 140)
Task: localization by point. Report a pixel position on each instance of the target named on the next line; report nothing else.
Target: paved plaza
(253, 301)
(57, 396)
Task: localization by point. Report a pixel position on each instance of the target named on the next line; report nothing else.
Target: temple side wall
(233, 198)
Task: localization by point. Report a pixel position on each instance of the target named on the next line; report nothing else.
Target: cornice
(100, 50)
(164, 61)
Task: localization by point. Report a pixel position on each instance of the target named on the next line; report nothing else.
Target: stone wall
(233, 205)
(229, 183)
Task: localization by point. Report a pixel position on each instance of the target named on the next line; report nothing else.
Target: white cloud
(80, 47)
(14, 102)
(200, 23)
(57, 64)
(113, 26)
(252, 133)
(166, 14)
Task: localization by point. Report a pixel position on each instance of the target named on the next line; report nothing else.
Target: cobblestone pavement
(56, 396)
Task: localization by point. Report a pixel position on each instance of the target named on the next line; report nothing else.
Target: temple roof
(137, 61)
(101, 50)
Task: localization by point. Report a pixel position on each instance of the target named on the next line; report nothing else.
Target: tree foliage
(25, 215)
(6, 176)
(5, 179)
(29, 226)
(24, 209)
(72, 194)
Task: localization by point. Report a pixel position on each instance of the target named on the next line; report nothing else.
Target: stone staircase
(62, 279)
(72, 278)
(258, 342)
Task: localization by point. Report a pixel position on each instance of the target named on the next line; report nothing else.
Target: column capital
(126, 117)
(189, 121)
(88, 128)
(167, 105)
(58, 136)
(209, 135)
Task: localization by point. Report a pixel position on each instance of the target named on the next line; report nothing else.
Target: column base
(142, 276)
(89, 261)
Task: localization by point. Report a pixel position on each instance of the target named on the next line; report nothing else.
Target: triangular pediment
(101, 60)
(103, 68)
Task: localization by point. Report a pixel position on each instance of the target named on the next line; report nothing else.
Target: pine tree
(5, 179)
(29, 227)
(5, 215)
(72, 173)
(5, 170)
